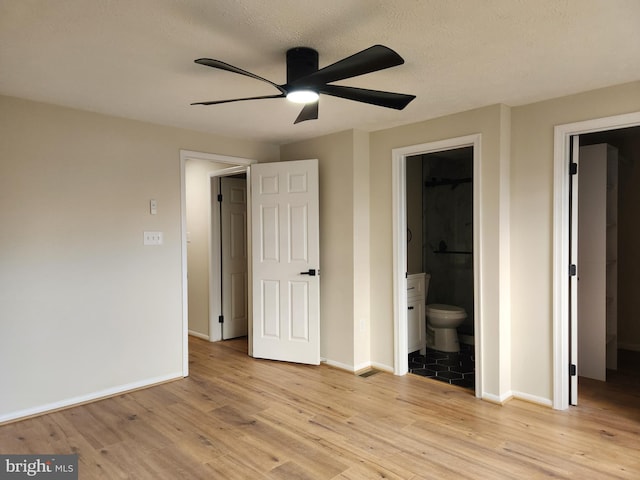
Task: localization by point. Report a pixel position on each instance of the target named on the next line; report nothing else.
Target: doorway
(400, 235)
(229, 261)
(607, 308)
(284, 246)
(568, 138)
(209, 323)
(440, 248)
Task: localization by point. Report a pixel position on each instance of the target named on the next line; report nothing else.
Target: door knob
(311, 272)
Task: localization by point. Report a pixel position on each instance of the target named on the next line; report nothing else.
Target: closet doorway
(566, 321)
(605, 182)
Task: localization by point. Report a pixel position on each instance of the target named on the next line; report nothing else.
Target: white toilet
(442, 321)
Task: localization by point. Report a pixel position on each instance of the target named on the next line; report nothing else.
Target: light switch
(153, 206)
(153, 238)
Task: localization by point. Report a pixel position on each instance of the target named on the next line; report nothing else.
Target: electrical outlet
(153, 238)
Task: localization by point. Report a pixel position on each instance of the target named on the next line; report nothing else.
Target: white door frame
(243, 164)
(561, 260)
(399, 227)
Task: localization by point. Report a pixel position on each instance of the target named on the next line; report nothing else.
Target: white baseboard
(533, 399)
(362, 366)
(359, 367)
(382, 366)
(341, 366)
(500, 400)
(193, 333)
(91, 397)
(505, 397)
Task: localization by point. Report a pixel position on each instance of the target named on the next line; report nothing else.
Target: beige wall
(85, 308)
(517, 222)
(532, 223)
(361, 252)
(336, 170)
(81, 297)
(487, 122)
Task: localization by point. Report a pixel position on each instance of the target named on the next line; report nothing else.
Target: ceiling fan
(305, 81)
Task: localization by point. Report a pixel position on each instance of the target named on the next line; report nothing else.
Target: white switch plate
(153, 206)
(153, 238)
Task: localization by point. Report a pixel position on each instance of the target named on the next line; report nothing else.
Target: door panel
(285, 249)
(234, 257)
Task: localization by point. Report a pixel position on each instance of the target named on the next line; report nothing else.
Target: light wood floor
(240, 418)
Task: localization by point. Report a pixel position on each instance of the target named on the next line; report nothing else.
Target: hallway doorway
(201, 285)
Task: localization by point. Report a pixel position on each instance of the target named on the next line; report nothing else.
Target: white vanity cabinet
(416, 320)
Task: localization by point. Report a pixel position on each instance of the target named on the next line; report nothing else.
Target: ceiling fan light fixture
(302, 96)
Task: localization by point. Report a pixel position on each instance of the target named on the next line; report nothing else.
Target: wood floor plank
(240, 418)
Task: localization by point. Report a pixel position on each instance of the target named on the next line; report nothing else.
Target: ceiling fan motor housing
(301, 61)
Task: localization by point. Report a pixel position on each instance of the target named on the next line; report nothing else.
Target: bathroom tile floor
(453, 368)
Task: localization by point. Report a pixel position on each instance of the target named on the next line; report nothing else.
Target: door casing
(561, 243)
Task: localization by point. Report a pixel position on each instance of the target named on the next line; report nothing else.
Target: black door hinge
(221, 319)
(573, 168)
(220, 197)
(572, 370)
(573, 270)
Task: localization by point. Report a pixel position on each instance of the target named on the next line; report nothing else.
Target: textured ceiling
(134, 59)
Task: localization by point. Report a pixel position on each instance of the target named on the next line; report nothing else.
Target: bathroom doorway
(402, 314)
(439, 190)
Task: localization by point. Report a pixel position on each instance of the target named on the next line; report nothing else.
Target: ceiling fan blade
(216, 102)
(209, 62)
(370, 60)
(309, 112)
(373, 97)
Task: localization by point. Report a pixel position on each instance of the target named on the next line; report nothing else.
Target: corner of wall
(505, 249)
(361, 251)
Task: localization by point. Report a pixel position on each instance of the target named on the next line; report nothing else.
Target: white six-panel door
(286, 261)
(234, 257)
